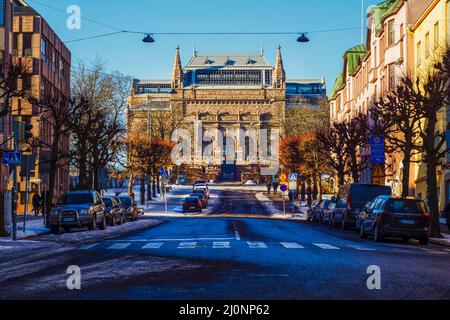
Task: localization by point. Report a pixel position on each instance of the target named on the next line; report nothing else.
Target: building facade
(372, 69)
(6, 21)
(404, 36)
(430, 34)
(231, 106)
(47, 60)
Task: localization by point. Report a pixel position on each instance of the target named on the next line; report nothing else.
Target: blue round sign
(283, 188)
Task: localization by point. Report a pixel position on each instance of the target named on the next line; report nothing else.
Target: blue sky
(129, 55)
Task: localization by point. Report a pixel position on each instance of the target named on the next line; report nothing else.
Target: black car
(115, 212)
(330, 211)
(78, 209)
(130, 207)
(317, 212)
(356, 196)
(192, 204)
(397, 217)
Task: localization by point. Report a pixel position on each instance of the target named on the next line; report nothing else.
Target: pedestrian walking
(36, 201)
(269, 187)
(292, 197)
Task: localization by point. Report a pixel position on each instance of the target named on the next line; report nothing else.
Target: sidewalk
(445, 233)
(274, 205)
(33, 226)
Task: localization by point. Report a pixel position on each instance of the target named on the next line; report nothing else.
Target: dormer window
(208, 61)
(229, 62)
(250, 62)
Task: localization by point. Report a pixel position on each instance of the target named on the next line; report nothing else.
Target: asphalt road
(228, 258)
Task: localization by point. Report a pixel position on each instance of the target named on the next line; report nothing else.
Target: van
(356, 196)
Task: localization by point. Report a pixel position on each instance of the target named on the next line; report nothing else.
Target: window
(26, 83)
(436, 35)
(391, 69)
(2, 12)
(427, 45)
(44, 49)
(391, 33)
(27, 44)
(419, 53)
(2, 125)
(15, 47)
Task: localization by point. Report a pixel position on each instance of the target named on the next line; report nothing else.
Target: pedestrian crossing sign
(13, 159)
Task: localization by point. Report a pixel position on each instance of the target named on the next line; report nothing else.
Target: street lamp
(303, 38)
(148, 39)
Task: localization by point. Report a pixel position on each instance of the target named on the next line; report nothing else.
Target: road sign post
(13, 161)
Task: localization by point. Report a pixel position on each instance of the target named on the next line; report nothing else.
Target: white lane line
(153, 245)
(6, 248)
(360, 248)
(187, 245)
(238, 236)
(89, 246)
(119, 246)
(221, 245)
(174, 240)
(291, 245)
(256, 245)
(326, 246)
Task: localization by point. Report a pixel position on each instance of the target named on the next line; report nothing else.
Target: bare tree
(396, 117)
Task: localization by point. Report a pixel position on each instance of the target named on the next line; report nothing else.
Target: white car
(204, 188)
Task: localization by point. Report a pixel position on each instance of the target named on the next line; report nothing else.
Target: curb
(439, 242)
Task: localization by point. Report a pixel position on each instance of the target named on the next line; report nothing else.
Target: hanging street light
(303, 38)
(148, 39)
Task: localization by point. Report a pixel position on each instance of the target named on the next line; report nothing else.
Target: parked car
(115, 212)
(130, 206)
(356, 196)
(406, 218)
(309, 212)
(363, 211)
(329, 211)
(201, 196)
(318, 211)
(192, 204)
(78, 209)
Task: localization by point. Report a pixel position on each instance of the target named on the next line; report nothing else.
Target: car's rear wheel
(93, 224)
(332, 223)
(121, 221)
(424, 241)
(406, 239)
(343, 224)
(102, 225)
(377, 236)
(54, 229)
(66, 229)
(362, 234)
(113, 221)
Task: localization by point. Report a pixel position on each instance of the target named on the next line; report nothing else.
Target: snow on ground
(33, 227)
(279, 214)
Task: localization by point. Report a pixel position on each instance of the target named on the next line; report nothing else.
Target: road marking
(89, 247)
(238, 236)
(221, 245)
(119, 246)
(359, 248)
(256, 245)
(174, 240)
(326, 246)
(187, 245)
(291, 245)
(153, 245)
(6, 248)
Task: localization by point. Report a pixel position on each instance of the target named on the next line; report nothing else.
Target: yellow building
(430, 34)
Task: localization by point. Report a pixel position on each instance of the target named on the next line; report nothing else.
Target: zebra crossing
(188, 245)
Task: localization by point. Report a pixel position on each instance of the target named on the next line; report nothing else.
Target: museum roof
(228, 61)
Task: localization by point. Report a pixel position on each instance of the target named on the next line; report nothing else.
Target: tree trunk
(432, 197)
(406, 174)
(432, 164)
(149, 185)
(355, 169)
(143, 190)
(130, 184)
(158, 184)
